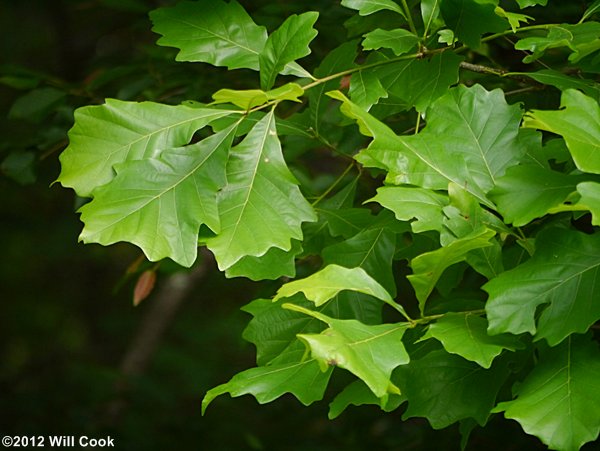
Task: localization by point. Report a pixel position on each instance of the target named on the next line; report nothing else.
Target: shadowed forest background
(77, 357)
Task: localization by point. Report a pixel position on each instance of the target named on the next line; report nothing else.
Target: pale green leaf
(118, 131)
(578, 121)
(251, 98)
(160, 203)
(525, 193)
(366, 7)
(466, 335)
(211, 31)
(261, 206)
(326, 283)
(470, 19)
(428, 268)
(514, 19)
(527, 3)
(400, 41)
(423, 205)
(285, 45)
(590, 199)
(430, 11)
(562, 276)
(369, 352)
(304, 380)
(445, 388)
(358, 394)
(559, 401)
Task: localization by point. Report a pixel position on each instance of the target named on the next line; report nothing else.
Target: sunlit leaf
(578, 121)
(160, 203)
(366, 7)
(118, 131)
(261, 206)
(369, 352)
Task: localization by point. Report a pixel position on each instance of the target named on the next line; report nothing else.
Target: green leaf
(590, 199)
(19, 166)
(251, 98)
(429, 267)
(525, 193)
(419, 82)
(430, 11)
(470, 19)
(514, 19)
(366, 89)
(400, 41)
(211, 31)
(338, 60)
(471, 138)
(261, 206)
(274, 264)
(286, 44)
(559, 401)
(369, 352)
(358, 394)
(581, 39)
(564, 82)
(304, 380)
(118, 131)
(36, 105)
(366, 7)
(445, 388)
(466, 335)
(372, 250)
(160, 203)
(424, 205)
(578, 121)
(561, 276)
(326, 283)
(527, 3)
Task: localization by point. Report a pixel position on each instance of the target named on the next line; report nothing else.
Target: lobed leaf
(285, 45)
(559, 401)
(366, 7)
(400, 41)
(211, 31)
(562, 276)
(466, 335)
(369, 352)
(160, 203)
(106, 135)
(329, 281)
(358, 393)
(578, 121)
(261, 206)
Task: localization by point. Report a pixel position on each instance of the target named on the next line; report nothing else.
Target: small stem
(418, 123)
(411, 24)
(482, 69)
(333, 185)
(427, 319)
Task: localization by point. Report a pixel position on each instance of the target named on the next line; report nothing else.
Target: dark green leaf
(366, 89)
(470, 19)
(564, 82)
(400, 41)
(19, 166)
(358, 394)
(211, 31)
(562, 276)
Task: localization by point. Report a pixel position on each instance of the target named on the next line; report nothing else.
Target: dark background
(77, 357)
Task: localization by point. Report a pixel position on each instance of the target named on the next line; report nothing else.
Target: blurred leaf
(20, 167)
(144, 286)
(36, 105)
(564, 82)
(470, 19)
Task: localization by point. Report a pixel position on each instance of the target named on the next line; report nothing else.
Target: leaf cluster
(448, 258)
